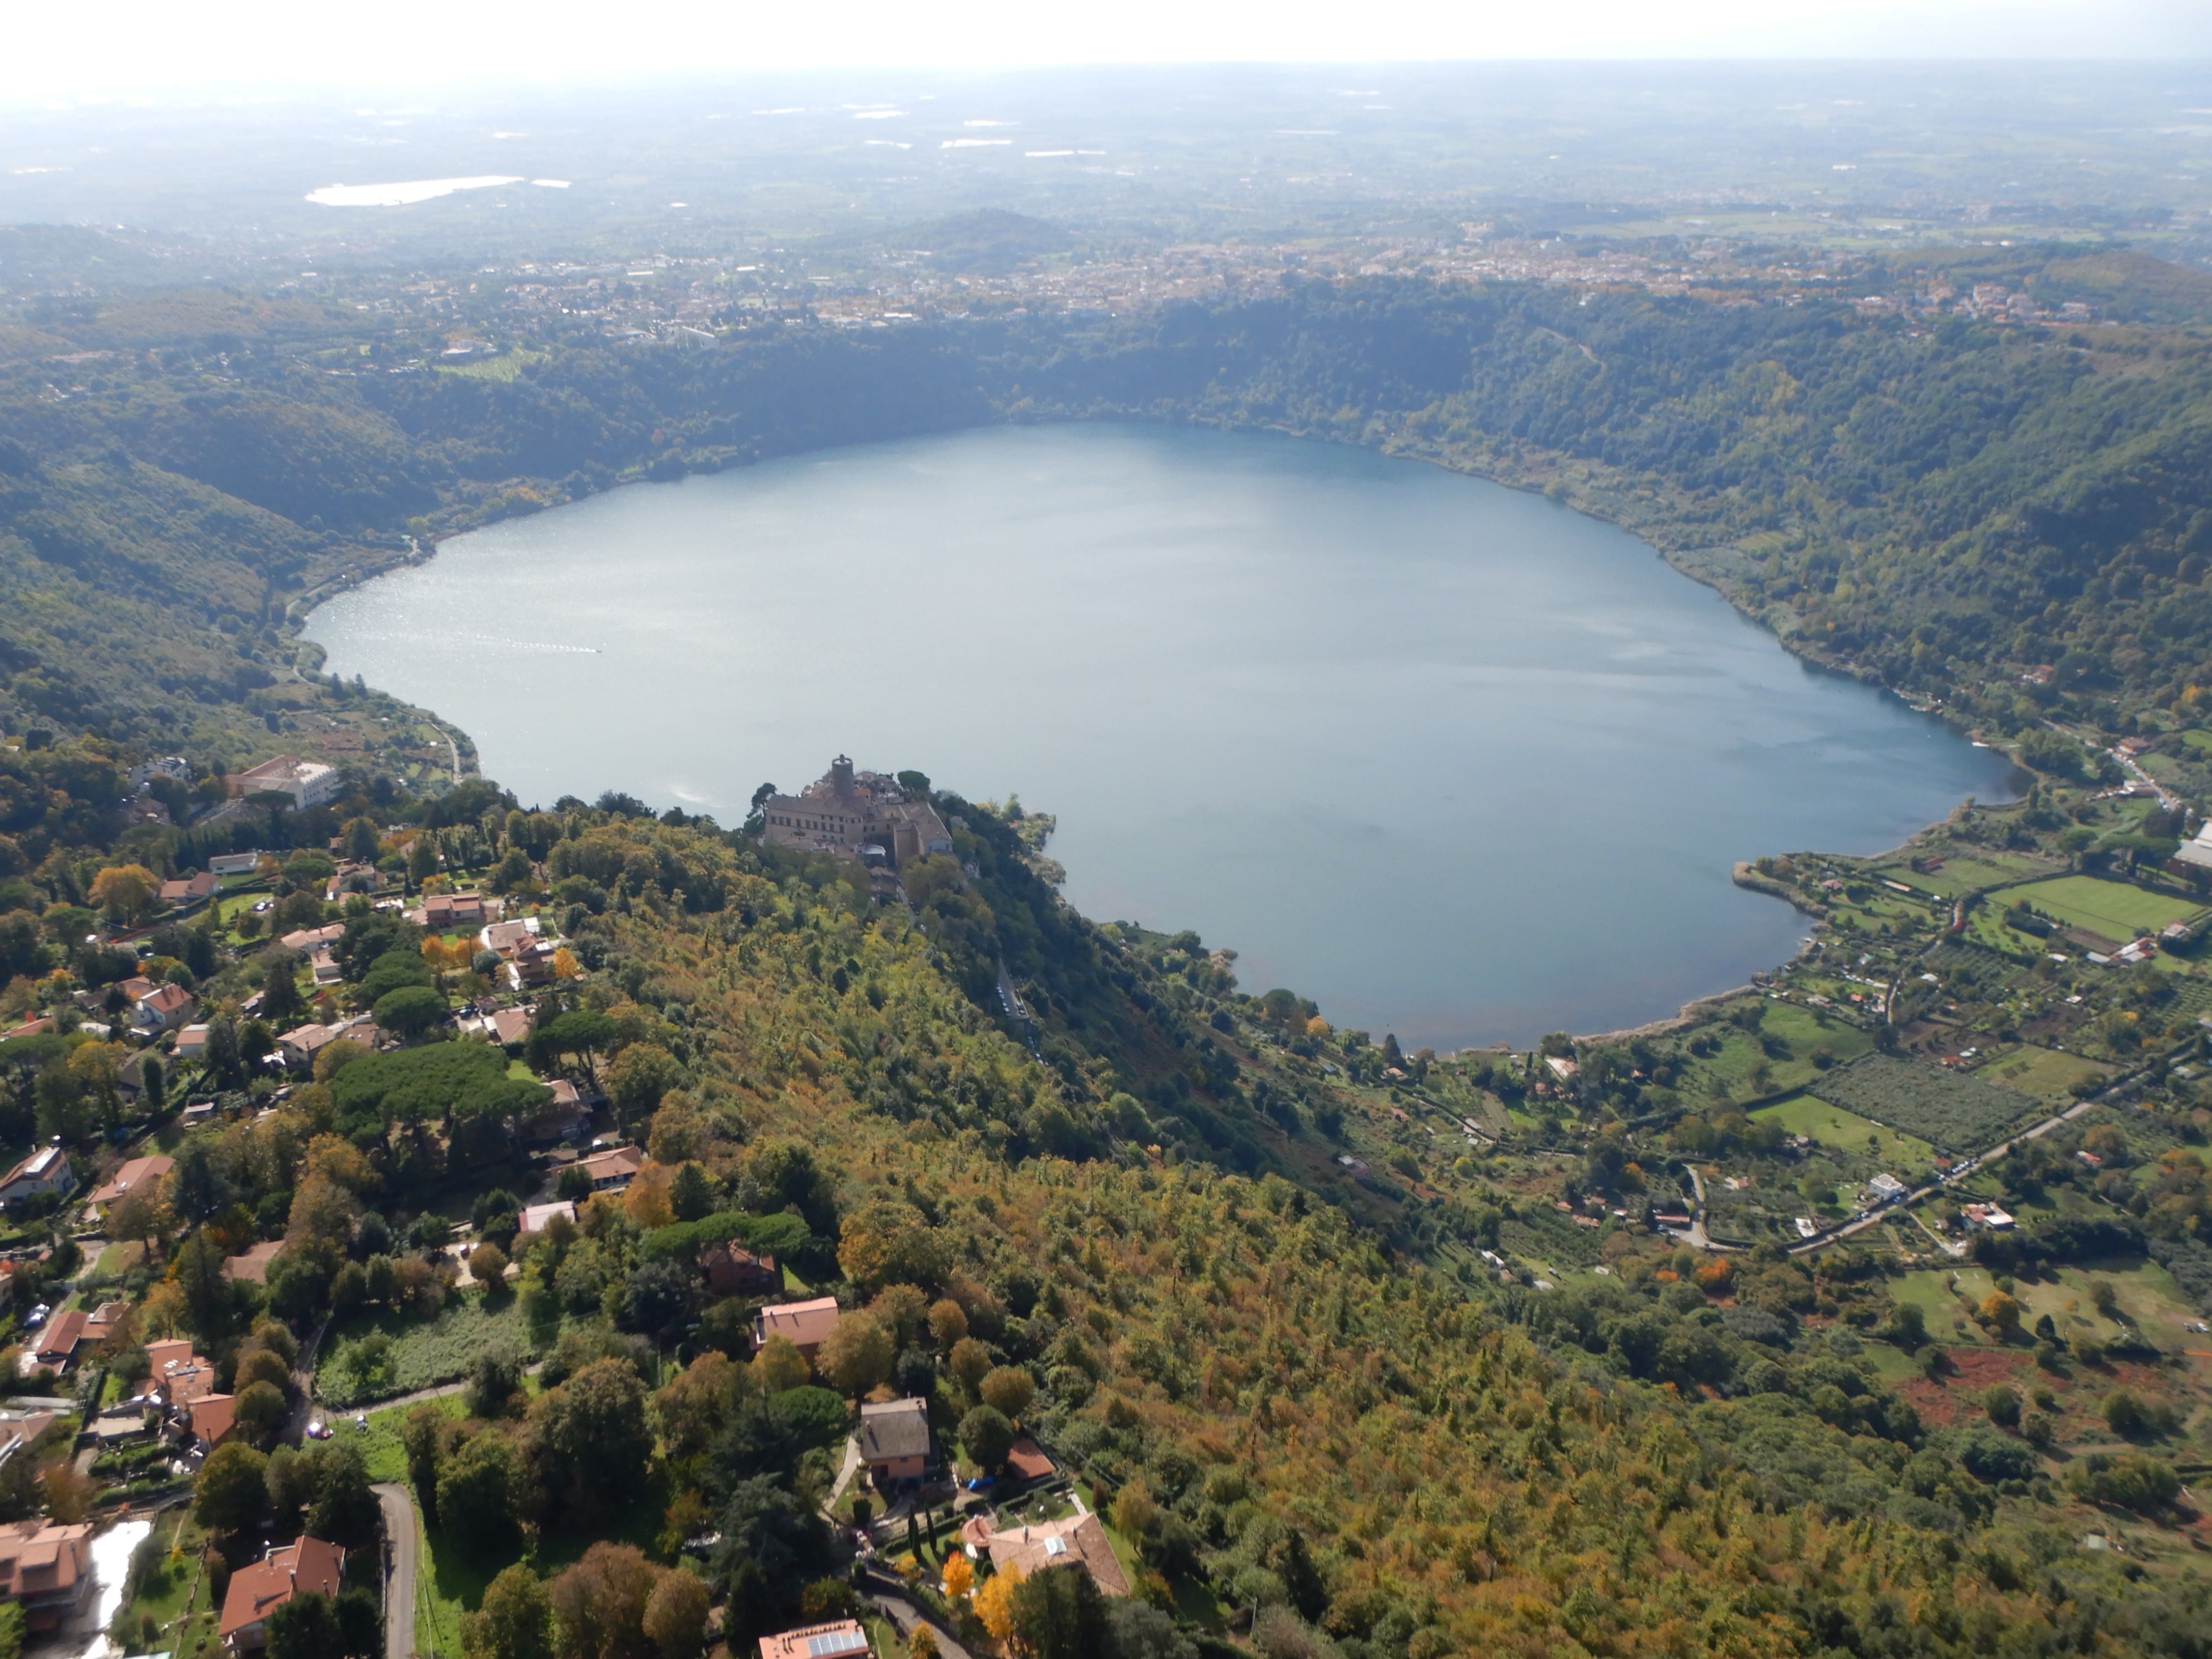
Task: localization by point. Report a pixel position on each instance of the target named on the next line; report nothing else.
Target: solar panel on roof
(835, 1643)
(1055, 1546)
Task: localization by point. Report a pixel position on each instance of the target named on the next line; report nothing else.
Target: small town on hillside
(356, 1136)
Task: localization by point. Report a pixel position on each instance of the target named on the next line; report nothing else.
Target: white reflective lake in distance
(1455, 762)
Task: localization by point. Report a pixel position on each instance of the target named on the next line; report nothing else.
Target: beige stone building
(846, 812)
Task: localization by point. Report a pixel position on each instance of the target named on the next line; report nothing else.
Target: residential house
(177, 1376)
(611, 1171)
(352, 877)
(563, 1118)
(47, 1568)
(313, 938)
(324, 969)
(309, 782)
(733, 1270)
(142, 1174)
(187, 890)
(445, 913)
(1887, 1188)
(1076, 1541)
(510, 1025)
(806, 1324)
(45, 1172)
(308, 1566)
(895, 1440)
(192, 1041)
(507, 937)
(253, 1266)
(20, 1431)
(531, 965)
(208, 1421)
(234, 863)
(1993, 1217)
(162, 1008)
(57, 1342)
(100, 1323)
(843, 1640)
(536, 1218)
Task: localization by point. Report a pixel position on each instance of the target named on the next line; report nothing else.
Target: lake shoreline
(1724, 660)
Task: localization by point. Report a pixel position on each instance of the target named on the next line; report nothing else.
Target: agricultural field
(2039, 1071)
(1953, 1112)
(1830, 1126)
(2112, 908)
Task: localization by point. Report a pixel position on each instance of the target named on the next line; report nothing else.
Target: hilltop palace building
(856, 814)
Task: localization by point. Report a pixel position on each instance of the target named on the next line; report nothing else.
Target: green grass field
(1960, 876)
(2039, 1071)
(2111, 908)
(425, 1352)
(1802, 1028)
(1846, 1132)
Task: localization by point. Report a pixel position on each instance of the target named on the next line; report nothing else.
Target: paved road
(399, 1570)
(1874, 1218)
(889, 1599)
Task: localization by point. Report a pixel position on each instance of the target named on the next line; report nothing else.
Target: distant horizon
(255, 49)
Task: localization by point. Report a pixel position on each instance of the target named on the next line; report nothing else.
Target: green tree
(639, 1077)
(209, 1304)
(987, 1437)
(231, 1492)
(1060, 1615)
(411, 1010)
(595, 1434)
(478, 1493)
(513, 1621)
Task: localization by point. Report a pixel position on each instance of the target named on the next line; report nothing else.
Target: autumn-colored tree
(948, 1322)
(488, 1268)
(887, 1240)
(514, 1620)
(125, 891)
(2001, 1311)
(904, 1310)
(781, 1365)
(67, 1492)
(1008, 1391)
(645, 1201)
(676, 1615)
(695, 1404)
(971, 1362)
(857, 1354)
(565, 964)
(921, 1643)
(994, 1604)
(601, 1601)
(959, 1576)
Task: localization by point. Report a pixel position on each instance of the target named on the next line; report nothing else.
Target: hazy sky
(118, 45)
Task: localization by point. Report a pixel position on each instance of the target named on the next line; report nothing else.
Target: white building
(309, 782)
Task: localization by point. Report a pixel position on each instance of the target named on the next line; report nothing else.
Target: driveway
(400, 1539)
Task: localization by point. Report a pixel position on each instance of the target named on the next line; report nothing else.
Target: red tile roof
(258, 1590)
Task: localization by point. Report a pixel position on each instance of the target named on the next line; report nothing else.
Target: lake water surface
(1453, 760)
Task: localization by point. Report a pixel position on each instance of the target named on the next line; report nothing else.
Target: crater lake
(1452, 759)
